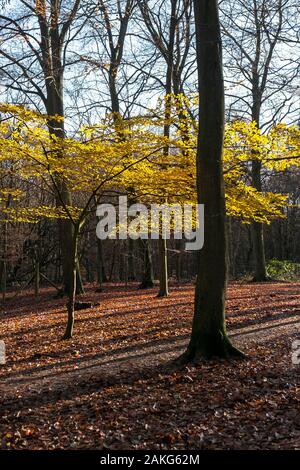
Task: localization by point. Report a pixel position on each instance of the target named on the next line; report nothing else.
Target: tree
(209, 337)
(172, 37)
(260, 37)
(111, 33)
(42, 32)
(91, 166)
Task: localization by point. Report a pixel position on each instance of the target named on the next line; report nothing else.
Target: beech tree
(170, 31)
(35, 37)
(209, 337)
(260, 38)
(90, 166)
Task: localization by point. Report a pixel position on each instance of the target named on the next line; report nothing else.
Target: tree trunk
(37, 278)
(53, 68)
(121, 261)
(101, 276)
(260, 271)
(209, 337)
(131, 264)
(1, 273)
(113, 259)
(163, 267)
(3, 278)
(72, 291)
(147, 280)
(257, 234)
(3, 262)
(179, 248)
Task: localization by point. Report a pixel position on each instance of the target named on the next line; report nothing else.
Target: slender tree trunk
(89, 271)
(260, 270)
(257, 234)
(101, 275)
(121, 261)
(3, 279)
(113, 259)
(179, 247)
(131, 263)
(147, 280)
(209, 337)
(72, 291)
(37, 278)
(163, 259)
(1, 273)
(99, 263)
(3, 263)
(163, 272)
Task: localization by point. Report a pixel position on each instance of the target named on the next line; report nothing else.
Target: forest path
(119, 364)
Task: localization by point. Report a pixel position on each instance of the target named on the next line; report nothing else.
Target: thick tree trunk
(209, 337)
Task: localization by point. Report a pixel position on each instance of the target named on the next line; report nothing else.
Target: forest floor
(113, 386)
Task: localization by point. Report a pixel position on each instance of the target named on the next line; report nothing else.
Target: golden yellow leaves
(13, 193)
(133, 155)
(248, 204)
(32, 215)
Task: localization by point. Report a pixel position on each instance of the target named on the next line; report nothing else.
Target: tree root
(222, 349)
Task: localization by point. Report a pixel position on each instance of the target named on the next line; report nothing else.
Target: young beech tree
(92, 167)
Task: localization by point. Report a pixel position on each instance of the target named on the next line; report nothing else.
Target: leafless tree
(261, 40)
(36, 38)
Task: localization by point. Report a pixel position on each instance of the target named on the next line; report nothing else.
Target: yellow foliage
(130, 157)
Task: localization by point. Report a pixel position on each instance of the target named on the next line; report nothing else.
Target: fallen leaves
(111, 386)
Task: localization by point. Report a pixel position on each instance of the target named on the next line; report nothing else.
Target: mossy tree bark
(209, 337)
